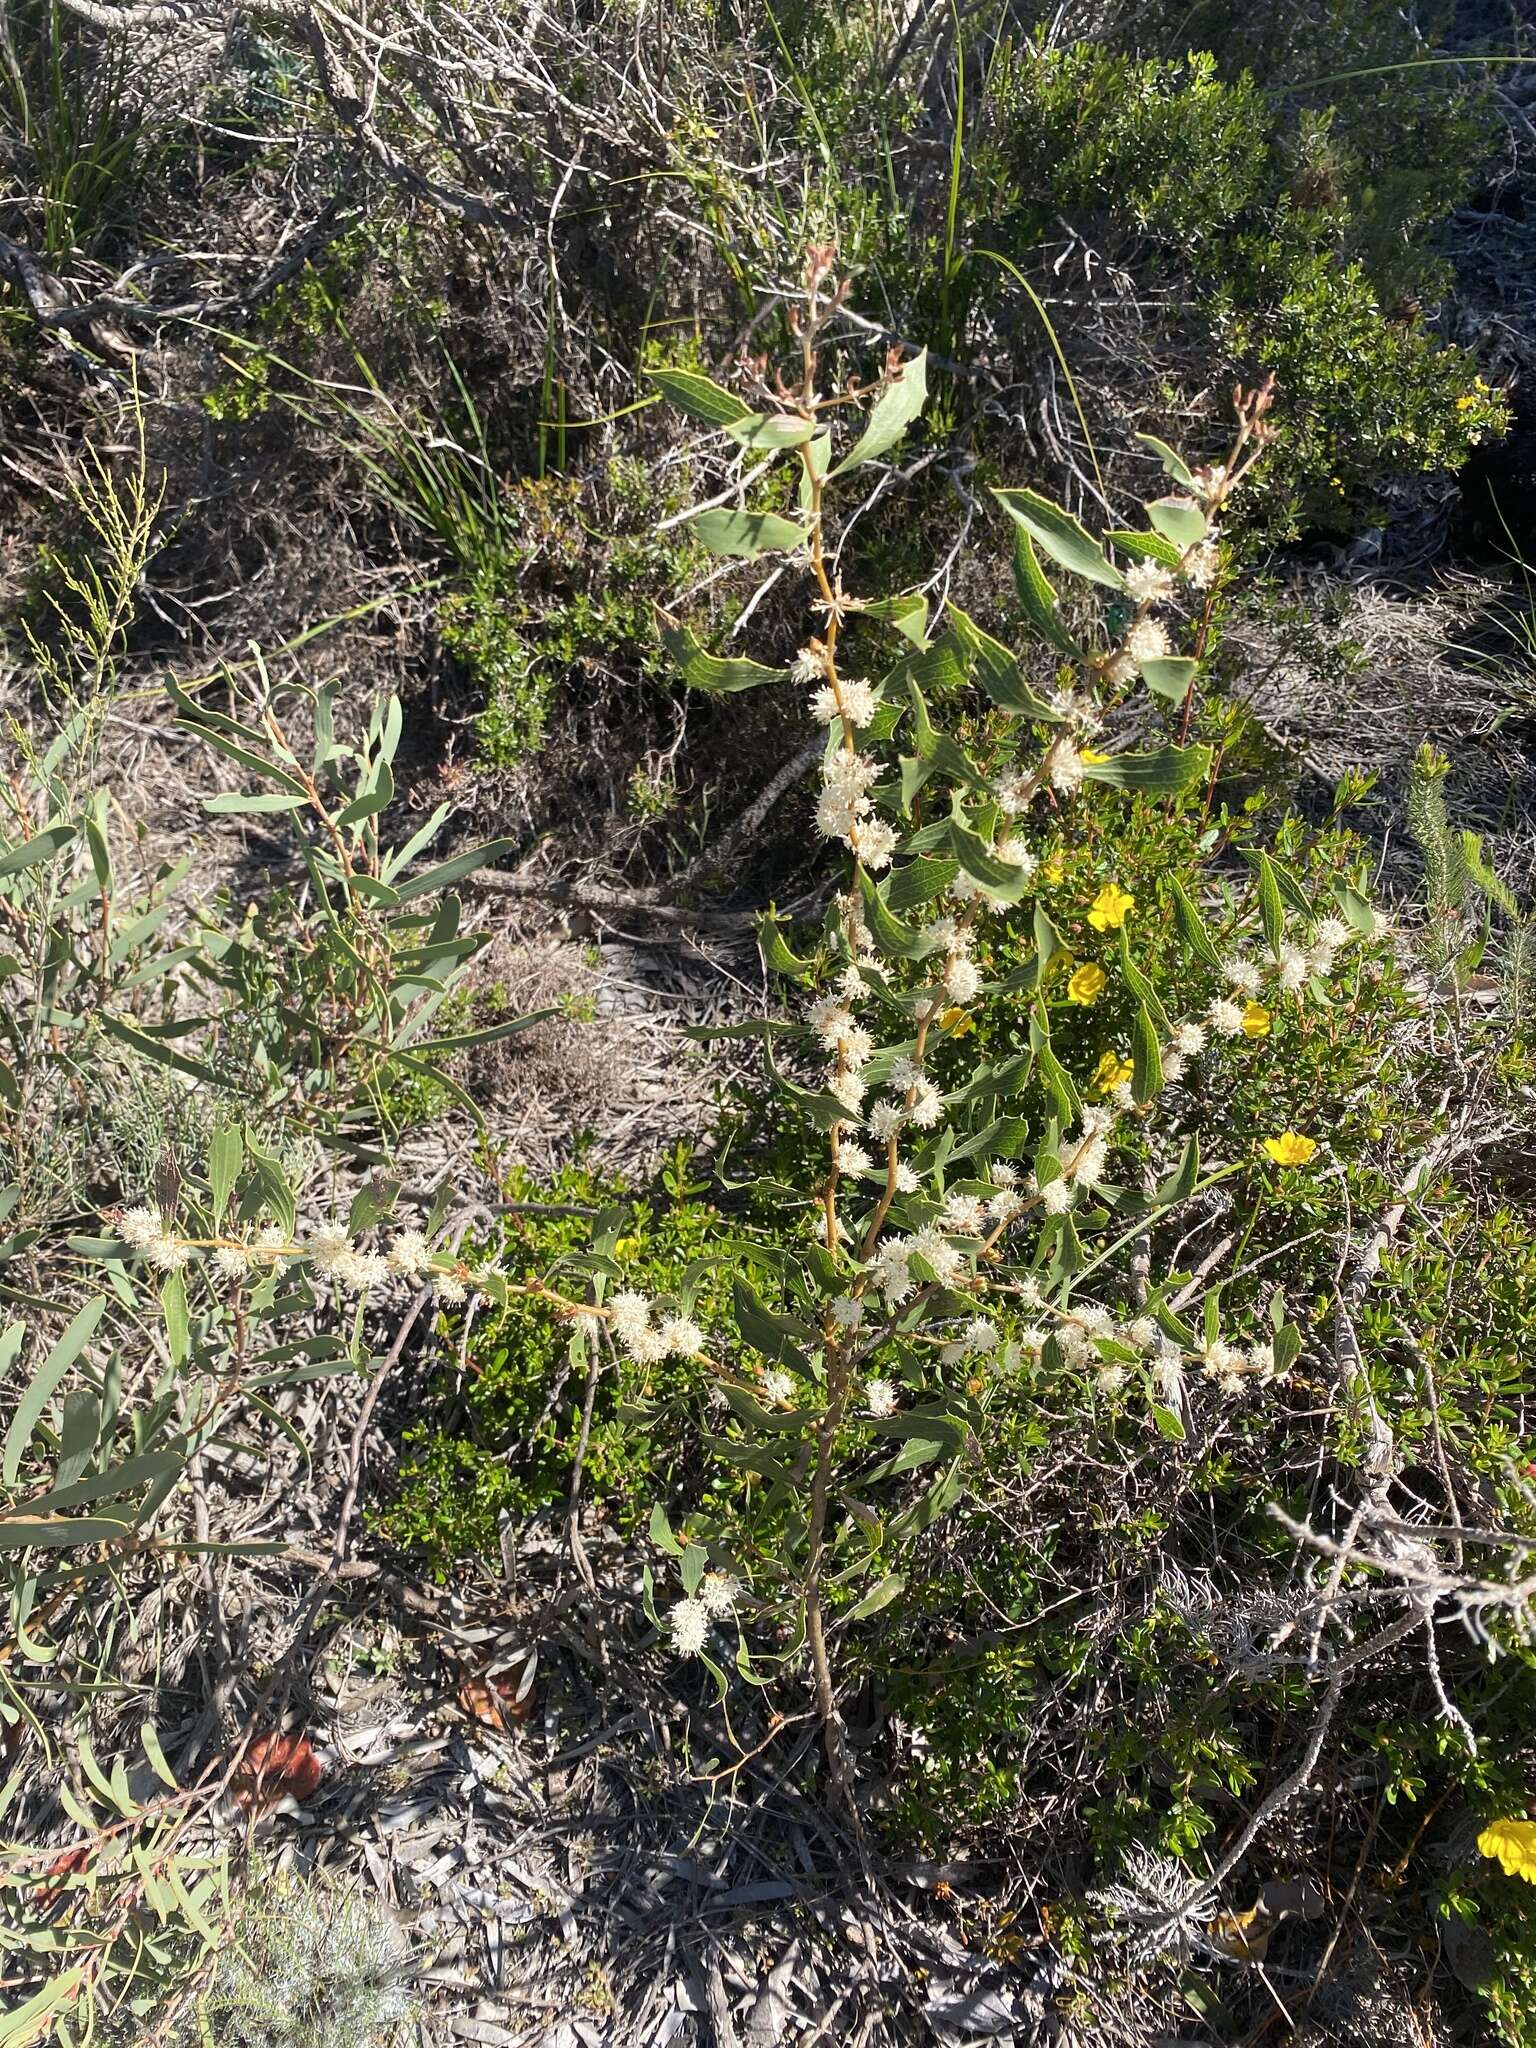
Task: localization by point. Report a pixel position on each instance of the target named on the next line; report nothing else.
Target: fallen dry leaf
(276, 1767)
(499, 1698)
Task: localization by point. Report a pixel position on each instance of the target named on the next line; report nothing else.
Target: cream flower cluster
(964, 1216)
(853, 701)
(629, 1318)
(1087, 1325)
(689, 1619)
(845, 810)
(331, 1253)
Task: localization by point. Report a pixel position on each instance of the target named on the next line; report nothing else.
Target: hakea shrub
(981, 1211)
(971, 1223)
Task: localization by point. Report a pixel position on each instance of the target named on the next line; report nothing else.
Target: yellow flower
(1513, 1842)
(1466, 401)
(1290, 1148)
(1111, 1071)
(1111, 907)
(955, 1021)
(1255, 1021)
(626, 1247)
(1091, 756)
(1087, 984)
(1054, 868)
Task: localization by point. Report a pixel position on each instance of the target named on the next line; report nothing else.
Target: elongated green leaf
(33, 852)
(225, 1152)
(1038, 597)
(263, 800)
(24, 2027)
(819, 1104)
(124, 1478)
(78, 1432)
(919, 882)
(487, 1034)
(1146, 547)
(1179, 520)
(894, 939)
(725, 532)
(1172, 461)
(776, 953)
(447, 872)
(1146, 1056)
(149, 1738)
(178, 1328)
(1069, 1104)
(877, 1597)
(700, 397)
(1163, 773)
(942, 666)
(1356, 908)
(1169, 675)
(945, 1491)
(1191, 925)
(374, 798)
(908, 615)
(40, 1392)
(894, 411)
(1271, 909)
(1065, 539)
(156, 1049)
(775, 430)
(997, 671)
(256, 763)
(401, 856)
(702, 671)
(1180, 1184)
(1141, 987)
(1000, 880)
(778, 1337)
(18, 1532)
(277, 1195)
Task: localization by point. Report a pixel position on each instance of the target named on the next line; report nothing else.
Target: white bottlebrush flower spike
(880, 1397)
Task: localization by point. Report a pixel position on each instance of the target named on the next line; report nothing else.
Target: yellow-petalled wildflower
(1513, 1844)
(957, 1021)
(1088, 983)
(1111, 907)
(1255, 1021)
(1113, 1069)
(1091, 756)
(626, 1247)
(1291, 1148)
